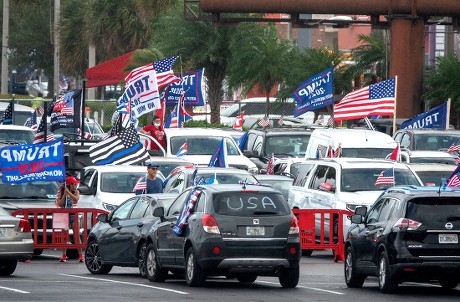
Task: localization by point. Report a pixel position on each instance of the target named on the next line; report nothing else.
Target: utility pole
(5, 34)
(57, 15)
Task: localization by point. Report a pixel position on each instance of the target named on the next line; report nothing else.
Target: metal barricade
(317, 233)
(55, 233)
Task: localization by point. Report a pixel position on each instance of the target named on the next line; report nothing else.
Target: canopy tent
(110, 72)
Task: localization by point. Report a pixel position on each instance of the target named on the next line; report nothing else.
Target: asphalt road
(45, 279)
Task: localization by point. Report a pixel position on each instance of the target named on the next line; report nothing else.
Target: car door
(322, 187)
(114, 242)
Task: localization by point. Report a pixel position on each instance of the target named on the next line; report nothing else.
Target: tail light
(404, 224)
(24, 226)
(210, 224)
(294, 227)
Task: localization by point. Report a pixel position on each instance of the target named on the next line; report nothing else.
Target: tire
(289, 278)
(249, 278)
(93, 260)
(352, 278)
(194, 274)
(386, 283)
(141, 260)
(448, 284)
(153, 271)
(307, 253)
(38, 252)
(8, 267)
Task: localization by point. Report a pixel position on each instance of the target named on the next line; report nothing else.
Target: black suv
(282, 142)
(409, 234)
(237, 231)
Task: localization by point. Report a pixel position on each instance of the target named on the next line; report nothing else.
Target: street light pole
(5, 34)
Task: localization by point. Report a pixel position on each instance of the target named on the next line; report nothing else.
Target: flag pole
(448, 114)
(82, 111)
(45, 121)
(394, 113)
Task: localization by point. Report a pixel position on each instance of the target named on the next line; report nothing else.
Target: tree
(258, 58)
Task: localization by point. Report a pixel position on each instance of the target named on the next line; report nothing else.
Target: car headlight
(254, 170)
(109, 207)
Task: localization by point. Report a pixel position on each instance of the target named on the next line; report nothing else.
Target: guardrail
(55, 233)
(317, 233)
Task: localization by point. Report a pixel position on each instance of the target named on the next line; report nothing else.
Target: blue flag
(316, 92)
(218, 157)
(433, 118)
(243, 141)
(192, 83)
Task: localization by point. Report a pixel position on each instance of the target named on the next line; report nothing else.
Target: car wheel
(352, 278)
(93, 260)
(386, 283)
(307, 253)
(153, 271)
(448, 284)
(289, 278)
(141, 260)
(8, 267)
(249, 278)
(194, 274)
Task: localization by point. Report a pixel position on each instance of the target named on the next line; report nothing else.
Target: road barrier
(55, 233)
(316, 233)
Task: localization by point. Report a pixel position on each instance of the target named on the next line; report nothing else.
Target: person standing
(155, 130)
(150, 183)
(68, 196)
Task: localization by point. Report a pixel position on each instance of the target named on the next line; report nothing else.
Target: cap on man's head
(71, 180)
(152, 164)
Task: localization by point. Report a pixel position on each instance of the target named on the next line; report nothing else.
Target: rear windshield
(433, 209)
(366, 152)
(250, 204)
(17, 136)
(433, 178)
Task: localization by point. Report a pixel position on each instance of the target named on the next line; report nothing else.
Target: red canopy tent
(110, 72)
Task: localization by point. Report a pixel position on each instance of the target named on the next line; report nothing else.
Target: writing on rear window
(250, 203)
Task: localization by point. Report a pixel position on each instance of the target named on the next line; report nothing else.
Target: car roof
(348, 162)
(418, 167)
(170, 159)
(191, 132)
(277, 131)
(15, 127)
(434, 154)
(191, 169)
(238, 187)
(426, 191)
(431, 131)
(118, 168)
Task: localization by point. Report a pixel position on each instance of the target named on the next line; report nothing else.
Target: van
(21, 112)
(352, 142)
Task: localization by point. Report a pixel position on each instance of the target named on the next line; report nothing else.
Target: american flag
(454, 179)
(178, 116)
(280, 121)
(264, 122)
(40, 135)
(31, 122)
(178, 229)
(375, 99)
(271, 165)
(330, 122)
(163, 69)
(337, 151)
(87, 135)
(65, 104)
(386, 177)
(7, 118)
(238, 125)
(141, 184)
(455, 147)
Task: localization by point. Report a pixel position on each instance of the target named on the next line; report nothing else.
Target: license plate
(3, 232)
(448, 238)
(255, 231)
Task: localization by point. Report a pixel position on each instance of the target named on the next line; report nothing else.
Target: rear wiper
(453, 218)
(264, 213)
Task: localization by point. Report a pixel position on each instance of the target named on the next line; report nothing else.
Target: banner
(314, 93)
(434, 118)
(28, 163)
(192, 84)
(66, 111)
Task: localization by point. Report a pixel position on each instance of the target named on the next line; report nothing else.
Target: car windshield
(250, 204)
(120, 182)
(202, 145)
(433, 142)
(292, 145)
(364, 179)
(34, 190)
(281, 185)
(366, 152)
(223, 178)
(17, 136)
(438, 160)
(433, 178)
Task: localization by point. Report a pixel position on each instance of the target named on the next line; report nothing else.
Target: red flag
(396, 153)
(238, 125)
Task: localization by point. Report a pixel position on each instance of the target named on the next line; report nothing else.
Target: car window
(232, 149)
(249, 204)
(123, 210)
(178, 184)
(88, 175)
(170, 181)
(139, 209)
(251, 140)
(17, 136)
(295, 145)
(386, 209)
(258, 144)
(363, 179)
(405, 141)
(433, 209)
(200, 203)
(294, 169)
(374, 212)
(119, 182)
(302, 174)
(178, 204)
(319, 177)
(201, 145)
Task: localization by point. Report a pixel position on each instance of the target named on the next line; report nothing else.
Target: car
(16, 243)
(183, 177)
(433, 174)
(426, 139)
(287, 166)
(118, 239)
(241, 231)
(167, 164)
(409, 234)
(275, 121)
(21, 112)
(14, 134)
(439, 157)
(92, 128)
(281, 183)
(345, 183)
(106, 187)
(281, 142)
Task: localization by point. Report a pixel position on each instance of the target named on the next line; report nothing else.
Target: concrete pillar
(407, 62)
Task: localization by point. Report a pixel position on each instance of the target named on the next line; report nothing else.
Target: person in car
(150, 183)
(155, 130)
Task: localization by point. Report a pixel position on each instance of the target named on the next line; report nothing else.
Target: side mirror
(85, 190)
(159, 212)
(357, 219)
(103, 217)
(361, 211)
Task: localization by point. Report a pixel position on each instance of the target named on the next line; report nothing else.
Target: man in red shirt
(155, 130)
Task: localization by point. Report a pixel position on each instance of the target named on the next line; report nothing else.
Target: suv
(426, 139)
(241, 231)
(282, 142)
(409, 234)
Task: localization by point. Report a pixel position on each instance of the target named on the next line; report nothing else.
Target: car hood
(365, 198)
(25, 203)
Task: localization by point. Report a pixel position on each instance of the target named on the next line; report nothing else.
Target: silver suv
(426, 139)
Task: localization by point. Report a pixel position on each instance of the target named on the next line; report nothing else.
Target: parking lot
(45, 279)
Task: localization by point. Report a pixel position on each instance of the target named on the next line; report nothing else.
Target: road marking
(306, 287)
(128, 283)
(14, 290)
